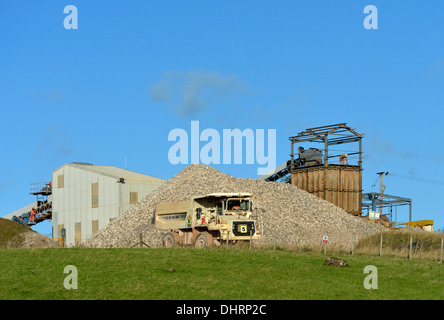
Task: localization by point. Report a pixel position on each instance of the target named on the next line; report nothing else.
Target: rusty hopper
(339, 183)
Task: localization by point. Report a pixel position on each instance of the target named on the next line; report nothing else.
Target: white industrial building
(86, 197)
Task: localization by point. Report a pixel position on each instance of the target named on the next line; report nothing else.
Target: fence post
(442, 246)
(251, 236)
(274, 240)
(325, 243)
(380, 247)
(228, 236)
(353, 244)
(410, 249)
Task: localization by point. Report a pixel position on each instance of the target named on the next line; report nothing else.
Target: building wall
(72, 202)
(74, 208)
(141, 188)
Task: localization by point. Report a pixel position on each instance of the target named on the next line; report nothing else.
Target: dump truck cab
(208, 219)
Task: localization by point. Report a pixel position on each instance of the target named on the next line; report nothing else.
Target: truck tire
(169, 240)
(201, 241)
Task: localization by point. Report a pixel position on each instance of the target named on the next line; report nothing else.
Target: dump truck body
(210, 218)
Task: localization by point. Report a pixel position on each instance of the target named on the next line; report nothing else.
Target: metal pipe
(373, 209)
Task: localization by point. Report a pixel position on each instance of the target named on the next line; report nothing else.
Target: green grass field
(209, 274)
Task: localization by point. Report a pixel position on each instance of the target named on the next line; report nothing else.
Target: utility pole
(381, 189)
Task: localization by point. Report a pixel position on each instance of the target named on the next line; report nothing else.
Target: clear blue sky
(135, 70)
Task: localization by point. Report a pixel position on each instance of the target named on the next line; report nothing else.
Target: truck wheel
(201, 241)
(169, 241)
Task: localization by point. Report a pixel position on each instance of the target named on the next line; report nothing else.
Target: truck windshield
(237, 204)
(219, 209)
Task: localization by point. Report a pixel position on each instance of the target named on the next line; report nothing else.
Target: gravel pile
(32, 239)
(287, 214)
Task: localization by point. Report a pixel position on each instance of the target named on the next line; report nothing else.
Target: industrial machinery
(309, 157)
(319, 172)
(207, 220)
(43, 209)
(335, 175)
(380, 200)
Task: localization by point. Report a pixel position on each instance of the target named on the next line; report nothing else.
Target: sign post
(373, 215)
(325, 241)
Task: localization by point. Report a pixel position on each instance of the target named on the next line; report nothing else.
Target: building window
(134, 197)
(60, 181)
(77, 233)
(95, 195)
(95, 226)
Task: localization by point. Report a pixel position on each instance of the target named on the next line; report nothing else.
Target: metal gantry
(373, 200)
(334, 134)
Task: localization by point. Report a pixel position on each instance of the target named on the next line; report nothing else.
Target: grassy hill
(211, 274)
(9, 230)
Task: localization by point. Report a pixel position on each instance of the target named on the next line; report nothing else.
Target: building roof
(20, 211)
(114, 172)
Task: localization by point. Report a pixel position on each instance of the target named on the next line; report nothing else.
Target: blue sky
(135, 70)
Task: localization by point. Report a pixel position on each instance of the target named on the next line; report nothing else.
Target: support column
(325, 151)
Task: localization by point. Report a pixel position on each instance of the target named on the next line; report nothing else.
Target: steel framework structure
(374, 199)
(328, 135)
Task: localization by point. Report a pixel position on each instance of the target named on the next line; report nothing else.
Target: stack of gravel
(287, 215)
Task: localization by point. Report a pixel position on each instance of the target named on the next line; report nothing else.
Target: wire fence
(401, 244)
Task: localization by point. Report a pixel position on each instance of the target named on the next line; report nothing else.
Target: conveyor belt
(44, 212)
(281, 173)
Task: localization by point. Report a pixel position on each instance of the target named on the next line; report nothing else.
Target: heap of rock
(286, 214)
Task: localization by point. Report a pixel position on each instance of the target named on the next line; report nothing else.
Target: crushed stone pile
(286, 214)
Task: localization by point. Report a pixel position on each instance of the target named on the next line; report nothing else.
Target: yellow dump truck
(207, 220)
